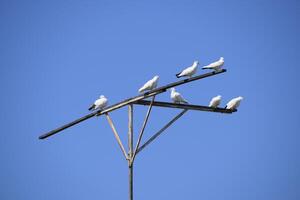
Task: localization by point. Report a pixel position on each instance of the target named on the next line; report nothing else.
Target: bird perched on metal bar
(234, 103)
(215, 102)
(177, 97)
(215, 65)
(99, 103)
(190, 71)
(150, 85)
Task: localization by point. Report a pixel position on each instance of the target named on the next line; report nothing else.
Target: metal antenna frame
(139, 100)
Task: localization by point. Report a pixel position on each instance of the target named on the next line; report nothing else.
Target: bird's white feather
(100, 103)
(177, 97)
(215, 102)
(234, 103)
(215, 65)
(150, 85)
(190, 71)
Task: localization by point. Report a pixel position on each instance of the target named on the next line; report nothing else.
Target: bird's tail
(185, 101)
(141, 90)
(91, 108)
(205, 67)
(178, 75)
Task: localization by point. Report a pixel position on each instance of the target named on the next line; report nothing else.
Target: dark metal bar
(131, 100)
(185, 106)
(44, 136)
(161, 131)
(143, 128)
(189, 80)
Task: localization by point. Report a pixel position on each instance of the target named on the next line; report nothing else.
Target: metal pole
(130, 146)
(130, 181)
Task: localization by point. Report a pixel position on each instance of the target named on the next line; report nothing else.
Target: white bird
(215, 102)
(176, 97)
(190, 71)
(150, 85)
(234, 103)
(99, 103)
(215, 65)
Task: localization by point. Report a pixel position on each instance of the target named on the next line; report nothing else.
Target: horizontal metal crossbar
(185, 106)
(130, 101)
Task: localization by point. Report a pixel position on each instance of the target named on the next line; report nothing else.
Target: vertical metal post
(130, 182)
(130, 152)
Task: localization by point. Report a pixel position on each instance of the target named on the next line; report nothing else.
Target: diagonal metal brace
(116, 135)
(161, 130)
(142, 130)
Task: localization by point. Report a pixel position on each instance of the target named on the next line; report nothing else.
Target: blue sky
(57, 57)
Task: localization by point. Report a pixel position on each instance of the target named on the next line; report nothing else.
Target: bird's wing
(212, 102)
(142, 88)
(154, 84)
(189, 69)
(213, 65)
(231, 103)
(172, 96)
(221, 62)
(237, 103)
(148, 84)
(98, 102)
(101, 103)
(215, 102)
(218, 63)
(184, 72)
(180, 73)
(145, 86)
(180, 98)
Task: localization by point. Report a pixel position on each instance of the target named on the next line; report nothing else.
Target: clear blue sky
(57, 57)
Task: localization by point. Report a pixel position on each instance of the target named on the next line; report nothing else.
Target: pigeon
(176, 97)
(215, 65)
(215, 102)
(234, 103)
(150, 85)
(99, 103)
(190, 71)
